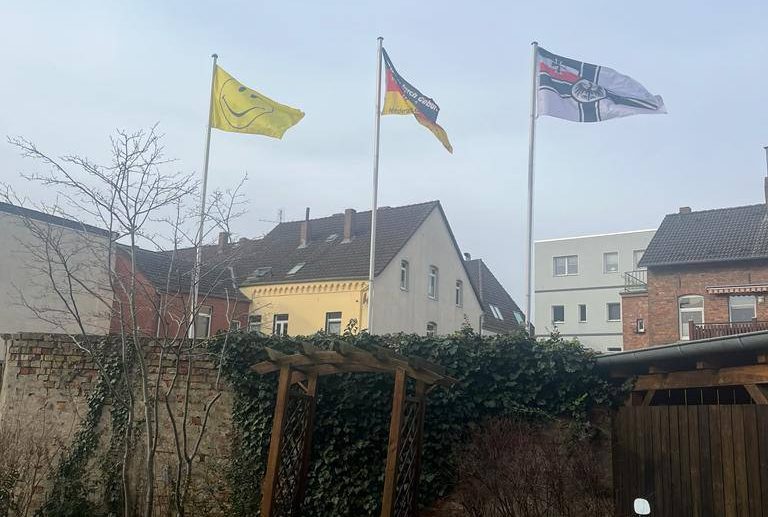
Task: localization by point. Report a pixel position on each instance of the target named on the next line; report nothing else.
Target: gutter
(692, 350)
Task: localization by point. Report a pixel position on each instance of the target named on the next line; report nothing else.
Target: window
(496, 312)
(614, 311)
(640, 326)
(459, 293)
(558, 313)
(432, 282)
(431, 328)
(295, 269)
(567, 265)
(637, 255)
(280, 325)
(611, 262)
(333, 323)
(741, 308)
(404, 274)
(254, 323)
(203, 322)
(234, 325)
(582, 313)
(332, 237)
(519, 317)
(691, 308)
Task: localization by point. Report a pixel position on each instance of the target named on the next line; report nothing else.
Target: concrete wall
(592, 286)
(44, 389)
(24, 277)
(409, 311)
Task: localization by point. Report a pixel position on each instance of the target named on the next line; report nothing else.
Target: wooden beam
(648, 397)
(393, 448)
(307, 445)
(738, 376)
(269, 487)
(757, 394)
(421, 395)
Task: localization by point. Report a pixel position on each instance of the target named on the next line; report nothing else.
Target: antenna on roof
(766, 159)
(280, 215)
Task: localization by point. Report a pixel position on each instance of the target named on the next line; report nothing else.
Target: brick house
(704, 274)
(163, 300)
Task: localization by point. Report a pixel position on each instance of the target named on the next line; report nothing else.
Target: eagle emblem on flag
(583, 92)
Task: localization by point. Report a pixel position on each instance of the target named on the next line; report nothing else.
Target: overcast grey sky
(74, 71)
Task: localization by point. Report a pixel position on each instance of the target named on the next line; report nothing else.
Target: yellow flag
(239, 109)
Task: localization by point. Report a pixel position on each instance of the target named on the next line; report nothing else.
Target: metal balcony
(707, 330)
(636, 281)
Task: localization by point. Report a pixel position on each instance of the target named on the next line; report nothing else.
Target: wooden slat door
(692, 460)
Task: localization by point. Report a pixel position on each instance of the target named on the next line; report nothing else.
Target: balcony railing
(636, 281)
(707, 330)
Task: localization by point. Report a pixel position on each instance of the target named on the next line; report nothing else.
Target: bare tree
(137, 199)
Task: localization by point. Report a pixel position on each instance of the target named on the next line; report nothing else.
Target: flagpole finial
(536, 43)
(215, 56)
(380, 38)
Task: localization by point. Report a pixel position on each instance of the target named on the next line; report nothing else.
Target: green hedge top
(498, 376)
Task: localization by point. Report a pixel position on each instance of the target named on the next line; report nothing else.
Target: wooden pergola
(285, 479)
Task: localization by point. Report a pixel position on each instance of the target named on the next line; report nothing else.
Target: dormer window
(295, 269)
(332, 237)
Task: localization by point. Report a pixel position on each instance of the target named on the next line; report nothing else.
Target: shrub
(498, 376)
(513, 468)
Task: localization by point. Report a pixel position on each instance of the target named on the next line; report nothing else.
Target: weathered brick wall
(667, 285)
(634, 306)
(46, 382)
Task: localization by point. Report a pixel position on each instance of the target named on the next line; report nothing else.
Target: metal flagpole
(374, 202)
(199, 237)
(531, 153)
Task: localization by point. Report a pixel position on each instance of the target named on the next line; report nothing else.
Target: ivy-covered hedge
(498, 376)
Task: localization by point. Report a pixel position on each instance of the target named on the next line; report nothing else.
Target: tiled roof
(50, 219)
(326, 256)
(721, 235)
(491, 292)
(173, 275)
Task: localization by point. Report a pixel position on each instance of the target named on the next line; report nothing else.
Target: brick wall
(634, 306)
(45, 384)
(667, 285)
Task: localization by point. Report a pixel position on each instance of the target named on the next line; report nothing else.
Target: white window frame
(753, 305)
(584, 320)
(605, 262)
(280, 326)
(459, 293)
(433, 278)
(608, 311)
(640, 326)
(330, 319)
(234, 325)
(636, 260)
(552, 314)
(568, 271)
(254, 323)
(431, 328)
(683, 327)
(496, 312)
(206, 313)
(405, 274)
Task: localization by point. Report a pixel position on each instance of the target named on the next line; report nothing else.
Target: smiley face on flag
(240, 105)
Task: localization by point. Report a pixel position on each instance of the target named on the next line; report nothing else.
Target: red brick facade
(148, 300)
(666, 285)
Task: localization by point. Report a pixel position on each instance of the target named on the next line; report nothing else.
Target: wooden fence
(692, 460)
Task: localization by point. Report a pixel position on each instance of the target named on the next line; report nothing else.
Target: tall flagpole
(200, 234)
(374, 201)
(531, 153)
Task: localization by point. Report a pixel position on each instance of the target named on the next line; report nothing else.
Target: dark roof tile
(491, 292)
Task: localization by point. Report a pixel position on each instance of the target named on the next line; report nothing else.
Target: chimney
(306, 234)
(684, 210)
(467, 256)
(223, 242)
(349, 224)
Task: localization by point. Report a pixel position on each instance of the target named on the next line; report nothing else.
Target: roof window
(295, 269)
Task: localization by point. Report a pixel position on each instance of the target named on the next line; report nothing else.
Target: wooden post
(421, 391)
(691, 330)
(272, 473)
(393, 449)
(307, 446)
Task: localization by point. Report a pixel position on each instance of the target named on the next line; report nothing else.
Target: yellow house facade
(304, 308)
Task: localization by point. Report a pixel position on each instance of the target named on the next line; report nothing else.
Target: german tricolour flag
(402, 98)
